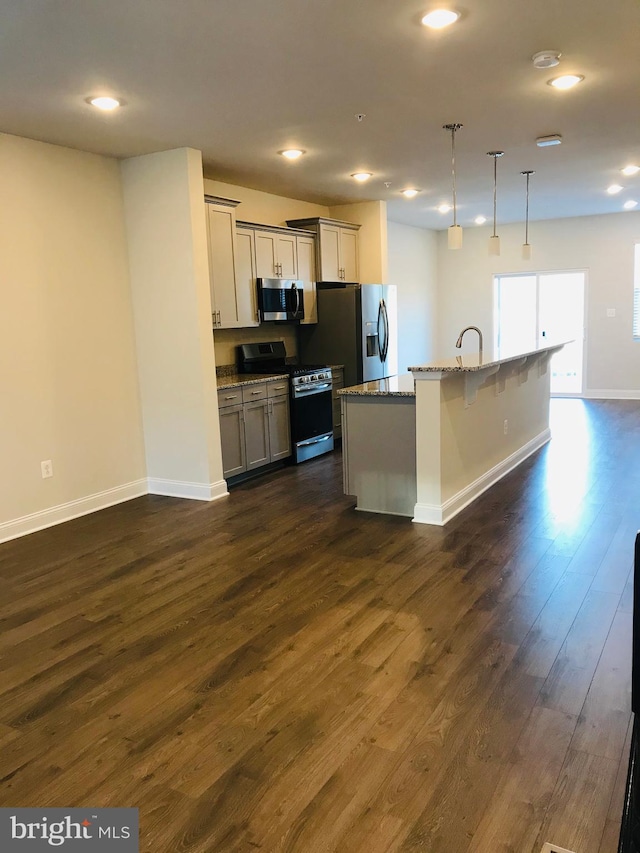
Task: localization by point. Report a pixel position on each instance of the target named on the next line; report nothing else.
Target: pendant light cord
(526, 215)
(495, 155)
(453, 173)
(495, 184)
(453, 128)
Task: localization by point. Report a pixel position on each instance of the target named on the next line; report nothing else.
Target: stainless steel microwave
(280, 299)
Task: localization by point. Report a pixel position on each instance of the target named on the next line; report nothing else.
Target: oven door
(312, 422)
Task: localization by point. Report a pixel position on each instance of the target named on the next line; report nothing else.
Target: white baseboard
(101, 500)
(440, 514)
(193, 491)
(73, 509)
(608, 394)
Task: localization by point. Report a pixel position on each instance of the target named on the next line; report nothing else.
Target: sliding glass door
(532, 308)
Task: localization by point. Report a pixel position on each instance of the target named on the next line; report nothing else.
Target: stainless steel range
(310, 404)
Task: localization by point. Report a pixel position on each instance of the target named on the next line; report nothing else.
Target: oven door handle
(314, 440)
(301, 389)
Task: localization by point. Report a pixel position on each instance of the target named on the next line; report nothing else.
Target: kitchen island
(430, 442)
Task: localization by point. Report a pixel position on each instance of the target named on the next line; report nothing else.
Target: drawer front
(278, 389)
(229, 397)
(251, 393)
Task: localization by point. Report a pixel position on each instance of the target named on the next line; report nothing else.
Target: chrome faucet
(475, 329)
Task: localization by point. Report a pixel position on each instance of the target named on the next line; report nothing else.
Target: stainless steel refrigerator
(357, 327)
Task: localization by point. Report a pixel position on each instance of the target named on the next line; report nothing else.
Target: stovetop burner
(272, 358)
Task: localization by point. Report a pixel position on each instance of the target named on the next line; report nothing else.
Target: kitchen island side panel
(379, 452)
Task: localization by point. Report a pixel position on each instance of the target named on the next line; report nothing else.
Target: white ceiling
(242, 79)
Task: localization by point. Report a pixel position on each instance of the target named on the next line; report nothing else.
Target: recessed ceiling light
(480, 220)
(104, 103)
(630, 170)
(361, 176)
(614, 189)
(567, 81)
(552, 139)
(444, 208)
(629, 205)
(292, 153)
(409, 192)
(440, 18)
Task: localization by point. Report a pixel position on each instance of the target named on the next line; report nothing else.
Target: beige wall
(165, 218)
(227, 340)
(67, 352)
(601, 245)
(264, 208)
(412, 268)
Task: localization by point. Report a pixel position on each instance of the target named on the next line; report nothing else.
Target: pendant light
(494, 240)
(526, 246)
(455, 231)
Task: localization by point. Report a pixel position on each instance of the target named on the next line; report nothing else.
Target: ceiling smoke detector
(546, 59)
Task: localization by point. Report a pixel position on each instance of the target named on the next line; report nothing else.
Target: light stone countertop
(392, 386)
(472, 361)
(235, 380)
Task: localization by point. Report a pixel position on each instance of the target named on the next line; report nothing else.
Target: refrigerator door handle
(385, 317)
(380, 339)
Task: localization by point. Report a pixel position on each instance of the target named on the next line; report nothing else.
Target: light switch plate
(611, 312)
(553, 848)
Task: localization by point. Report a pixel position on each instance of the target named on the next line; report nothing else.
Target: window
(535, 307)
(636, 294)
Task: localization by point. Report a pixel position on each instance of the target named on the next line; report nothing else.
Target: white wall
(67, 353)
(166, 226)
(601, 245)
(412, 267)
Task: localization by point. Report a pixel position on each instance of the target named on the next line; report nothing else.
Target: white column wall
(166, 226)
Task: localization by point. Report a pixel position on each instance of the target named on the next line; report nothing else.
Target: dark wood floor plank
(278, 672)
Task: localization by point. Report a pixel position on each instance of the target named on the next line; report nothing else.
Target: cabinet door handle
(231, 397)
(254, 393)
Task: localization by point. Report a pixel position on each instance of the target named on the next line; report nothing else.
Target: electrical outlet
(611, 312)
(506, 426)
(47, 469)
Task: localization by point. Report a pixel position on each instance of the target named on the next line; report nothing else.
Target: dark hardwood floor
(275, 671)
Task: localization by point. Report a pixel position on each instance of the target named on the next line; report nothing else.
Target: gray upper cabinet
(276, 255)
(231, 268)
(283, 253)
(246, 274)
(338, 247)
(306, 248)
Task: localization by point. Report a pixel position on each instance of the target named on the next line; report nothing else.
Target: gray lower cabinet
(234, 460)
(279, 432)
(254, 426)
